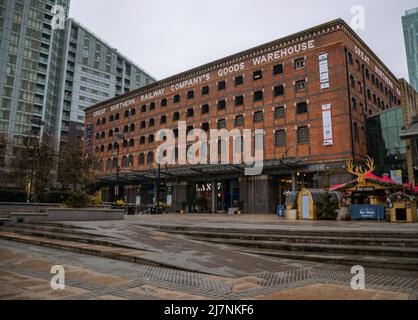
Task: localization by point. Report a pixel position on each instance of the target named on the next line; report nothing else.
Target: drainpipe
(353, 147)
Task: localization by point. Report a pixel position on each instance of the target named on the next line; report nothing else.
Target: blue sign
(368, 212)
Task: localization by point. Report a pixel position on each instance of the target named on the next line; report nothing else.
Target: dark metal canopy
(202, 172)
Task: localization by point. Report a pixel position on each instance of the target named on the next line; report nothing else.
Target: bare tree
(76, 168)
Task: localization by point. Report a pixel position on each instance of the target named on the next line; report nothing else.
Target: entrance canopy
(201, 172)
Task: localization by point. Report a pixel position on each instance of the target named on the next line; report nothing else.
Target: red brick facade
(353, 71)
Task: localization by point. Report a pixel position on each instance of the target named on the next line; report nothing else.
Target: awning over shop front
(202, 172)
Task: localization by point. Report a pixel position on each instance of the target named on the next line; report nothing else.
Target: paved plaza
(177, 267)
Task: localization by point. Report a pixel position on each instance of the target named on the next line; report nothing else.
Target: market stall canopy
(366, 179)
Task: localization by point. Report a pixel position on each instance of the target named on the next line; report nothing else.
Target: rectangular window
(279, 113)
(354, 103)
(205, 91)
(259, 117)
(278, 69)
(239, 121)
(221, 124)
(190, 112)
(151, 122)
(163, 119)
(221, 85)
(300, 86)
(222, 105)
(278, 91)
(152, 106)
(176, 98)
(143, 124)
(300, 63)
(303, 135)
(205, 126)
(301, 108)
(164, 103)
(205, 109)
(176, 116)
(239, 101)
(280, 138)
(144, 108)
(190, 94)
(258, 96)
(258, 75)
(239, 80)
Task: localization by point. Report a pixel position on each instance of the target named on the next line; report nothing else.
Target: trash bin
(280, 211)
(131, 210)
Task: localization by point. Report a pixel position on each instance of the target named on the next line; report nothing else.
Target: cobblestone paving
(22, 266)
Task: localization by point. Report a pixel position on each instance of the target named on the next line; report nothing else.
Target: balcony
(38, 101)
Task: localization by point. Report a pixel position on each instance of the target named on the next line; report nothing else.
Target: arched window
(130, 161)
(109, 164)
(112, 118)
(117, 117)
(132, 142)
(141, 159)
(150, 157)
(115, 163)
(124, 162)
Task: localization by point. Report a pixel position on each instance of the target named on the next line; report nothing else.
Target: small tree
(76, 167)
(327, 207)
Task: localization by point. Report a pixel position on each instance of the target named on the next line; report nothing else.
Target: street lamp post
(120, 137)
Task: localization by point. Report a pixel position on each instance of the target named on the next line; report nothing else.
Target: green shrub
(327, 207)
(12, 195)
(54, 197)
(78, 199)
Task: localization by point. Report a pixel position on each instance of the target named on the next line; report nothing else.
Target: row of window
(258, 96)
(300, 86)
(303, 137)
(374, 80)
(279, 113)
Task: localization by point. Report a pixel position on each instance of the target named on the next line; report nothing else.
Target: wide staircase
(67, 237)
(380, 249)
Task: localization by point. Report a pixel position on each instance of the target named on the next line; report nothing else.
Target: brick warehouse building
(295, 88)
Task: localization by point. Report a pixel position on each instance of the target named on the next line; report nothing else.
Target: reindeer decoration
(359, 170)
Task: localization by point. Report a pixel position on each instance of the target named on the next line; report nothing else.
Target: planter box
(291, 215)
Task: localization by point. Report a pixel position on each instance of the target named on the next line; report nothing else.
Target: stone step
(313, 232)
(55, 229)
(318, 248)
(86, 239)
(393, 263)
(392, 242)
(117, 253)
(58, 225)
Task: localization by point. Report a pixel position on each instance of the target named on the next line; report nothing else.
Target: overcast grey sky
(166, 37)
